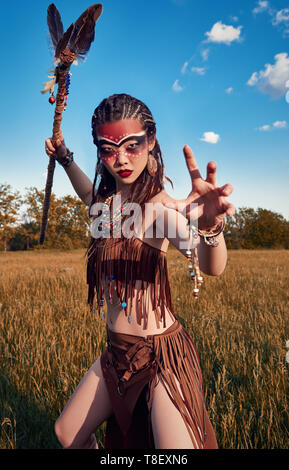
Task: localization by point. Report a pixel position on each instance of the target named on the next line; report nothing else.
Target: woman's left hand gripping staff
(211, 199)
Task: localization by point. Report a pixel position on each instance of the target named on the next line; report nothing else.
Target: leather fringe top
(123, 261)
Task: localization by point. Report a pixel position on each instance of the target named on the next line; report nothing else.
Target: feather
(54, 24)
(50, 84)
(64, 41)
(83, 32)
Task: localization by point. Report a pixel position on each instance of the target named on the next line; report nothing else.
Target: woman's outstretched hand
(211, 199)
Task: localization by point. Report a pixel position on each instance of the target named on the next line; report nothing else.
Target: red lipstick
(125, 173)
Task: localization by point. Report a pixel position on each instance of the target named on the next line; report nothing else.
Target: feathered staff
(69, 46)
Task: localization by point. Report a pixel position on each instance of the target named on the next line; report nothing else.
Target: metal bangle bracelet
(209, 234)
(211, 238)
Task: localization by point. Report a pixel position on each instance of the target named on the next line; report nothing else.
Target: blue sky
(213, 73)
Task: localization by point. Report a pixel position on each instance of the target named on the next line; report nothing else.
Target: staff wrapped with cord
(69, 46)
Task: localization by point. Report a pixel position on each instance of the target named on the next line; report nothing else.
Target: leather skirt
(132, 366)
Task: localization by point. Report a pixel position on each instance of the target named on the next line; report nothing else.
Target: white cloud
(281, 21)
(253, 80)
(229, 90)
(205, 54)
(272, 80)
(198, 70)
(262, 6)
(275, 125)
(234, 18)
(184, 67)
(210, 137)
(177, 87)
(264, 128)
(221, 33)
(281, 16)
(280, 124)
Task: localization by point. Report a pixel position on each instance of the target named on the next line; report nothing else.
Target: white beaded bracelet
(210, 238)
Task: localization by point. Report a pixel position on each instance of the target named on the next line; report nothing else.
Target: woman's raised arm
(80, 182)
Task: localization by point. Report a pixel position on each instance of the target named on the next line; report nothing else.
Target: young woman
(147, 384)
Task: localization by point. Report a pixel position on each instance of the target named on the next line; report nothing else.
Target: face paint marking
(120, 139)
(109, 149)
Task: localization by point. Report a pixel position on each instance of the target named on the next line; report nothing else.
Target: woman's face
(123, 148)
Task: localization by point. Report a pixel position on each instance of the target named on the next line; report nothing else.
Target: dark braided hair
(114, 108)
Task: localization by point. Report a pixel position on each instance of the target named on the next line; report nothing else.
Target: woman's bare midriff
(117, 320)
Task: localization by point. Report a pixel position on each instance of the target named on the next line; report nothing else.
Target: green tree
(68, 220)
(25, 236)
(269, 229)
(10, 202)
(260, 228)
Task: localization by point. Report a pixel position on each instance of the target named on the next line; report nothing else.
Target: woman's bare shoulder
(162, 197)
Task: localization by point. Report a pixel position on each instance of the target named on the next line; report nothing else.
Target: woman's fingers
(212, 173)
(228, 209)
(58, 148)
(226, 190)
(191, 164)
(50, 151)
(49, 146)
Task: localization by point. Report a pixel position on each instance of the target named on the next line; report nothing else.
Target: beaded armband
(67, 160)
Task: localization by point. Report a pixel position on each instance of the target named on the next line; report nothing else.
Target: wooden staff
(69, 46)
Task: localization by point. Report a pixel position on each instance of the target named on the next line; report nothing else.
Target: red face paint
(125, 136)
(118, 130)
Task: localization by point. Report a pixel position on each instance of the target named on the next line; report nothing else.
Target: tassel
(122, 262)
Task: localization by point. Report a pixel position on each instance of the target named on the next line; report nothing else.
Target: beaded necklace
(107, 221)
(110, 223)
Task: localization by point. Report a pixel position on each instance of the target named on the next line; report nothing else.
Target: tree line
(67, 228)
(68, 224)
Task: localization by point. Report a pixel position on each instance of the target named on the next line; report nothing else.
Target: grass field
(240, 324)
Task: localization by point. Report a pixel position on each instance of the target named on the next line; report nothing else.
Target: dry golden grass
(240, 323)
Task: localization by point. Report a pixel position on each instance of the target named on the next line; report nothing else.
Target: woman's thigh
(169, 429)
(88, 407)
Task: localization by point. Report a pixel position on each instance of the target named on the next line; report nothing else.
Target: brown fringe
(129, 260)
(177, 358)
(130, 363)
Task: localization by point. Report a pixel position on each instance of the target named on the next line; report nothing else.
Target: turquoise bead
(123, 304)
